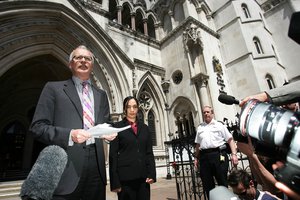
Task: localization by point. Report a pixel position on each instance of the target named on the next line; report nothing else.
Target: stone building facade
(175, 56)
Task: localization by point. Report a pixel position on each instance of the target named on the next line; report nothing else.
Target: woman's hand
(149, 180)
(117, 190)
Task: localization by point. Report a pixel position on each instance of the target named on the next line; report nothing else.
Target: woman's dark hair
(125, 103)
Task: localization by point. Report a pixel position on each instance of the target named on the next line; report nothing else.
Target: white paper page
(105, 129)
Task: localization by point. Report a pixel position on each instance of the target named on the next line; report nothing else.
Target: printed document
(105, 129)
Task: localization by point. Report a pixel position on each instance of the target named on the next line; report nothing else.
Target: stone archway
(34, 49)
(20, 89)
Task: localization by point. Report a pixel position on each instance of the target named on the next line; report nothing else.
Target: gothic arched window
(151, 125)
(139, 24)
(178, 13)
(113, 12)
(270, 81)
(246, 11)
(257, 45)
(167, 25)
(126, 16)
(151, 28)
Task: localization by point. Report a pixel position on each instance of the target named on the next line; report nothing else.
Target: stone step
(10, 189)
(10, 195)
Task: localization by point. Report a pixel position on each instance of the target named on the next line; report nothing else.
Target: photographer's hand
(246, 148)
(267, 180)
(261, 97)
(282, 187)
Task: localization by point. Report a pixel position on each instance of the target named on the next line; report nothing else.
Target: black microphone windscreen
(227, 99)
(45, 174)
(294, 28)
(222, 192)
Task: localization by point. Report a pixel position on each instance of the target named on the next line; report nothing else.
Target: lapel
(139, 126)
(71, 92)
(126, 123)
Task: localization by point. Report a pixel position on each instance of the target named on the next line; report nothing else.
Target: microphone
(45, 174)
(294, 30)
(227, 99)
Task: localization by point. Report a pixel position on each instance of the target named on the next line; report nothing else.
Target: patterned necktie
(88, 114)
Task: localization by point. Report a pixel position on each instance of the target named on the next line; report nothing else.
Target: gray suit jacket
(289, 93)
(59, 111)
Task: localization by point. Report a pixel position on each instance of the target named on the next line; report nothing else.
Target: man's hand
(80, 135)
(261, 97)
(196, 163)
(234, 160)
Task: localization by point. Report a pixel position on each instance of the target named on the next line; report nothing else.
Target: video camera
(272, 129)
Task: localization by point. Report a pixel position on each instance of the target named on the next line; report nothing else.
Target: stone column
(198, 10)
(145, 27)
(165, 86)
(157, 31)
(179, 123)
(201, 82)
(133, 21)
(119, 14)
(172, 19)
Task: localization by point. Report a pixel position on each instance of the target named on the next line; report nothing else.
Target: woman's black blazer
(131, 155)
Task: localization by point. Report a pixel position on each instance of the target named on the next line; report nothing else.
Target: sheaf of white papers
(105, 129)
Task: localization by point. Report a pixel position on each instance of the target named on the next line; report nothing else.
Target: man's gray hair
(212, 110)
(81, 47)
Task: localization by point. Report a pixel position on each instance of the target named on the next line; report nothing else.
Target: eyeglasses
(86, 58)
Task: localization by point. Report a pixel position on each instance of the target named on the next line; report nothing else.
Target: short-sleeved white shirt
(212, 135)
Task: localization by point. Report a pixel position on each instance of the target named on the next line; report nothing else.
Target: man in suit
(61, 118)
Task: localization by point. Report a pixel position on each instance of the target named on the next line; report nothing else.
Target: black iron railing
(180, 158)
(188, 182)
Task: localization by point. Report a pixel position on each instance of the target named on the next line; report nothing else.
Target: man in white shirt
(210, 151)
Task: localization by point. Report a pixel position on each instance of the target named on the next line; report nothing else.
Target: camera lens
(268, 123)
(278, 129)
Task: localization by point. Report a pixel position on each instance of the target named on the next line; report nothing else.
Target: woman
(131, 159)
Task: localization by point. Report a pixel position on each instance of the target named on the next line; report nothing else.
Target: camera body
(276, 130)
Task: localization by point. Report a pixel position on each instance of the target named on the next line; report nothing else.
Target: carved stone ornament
(145, 101)
(217, 65)
(218, 70)
(192, 33)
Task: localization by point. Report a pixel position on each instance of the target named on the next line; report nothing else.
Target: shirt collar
(257, 194)
(212, 122)
(131, 123)
(78, 81)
